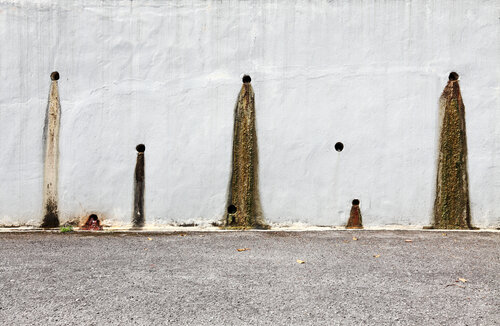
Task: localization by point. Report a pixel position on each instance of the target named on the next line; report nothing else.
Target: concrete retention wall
(167, 74)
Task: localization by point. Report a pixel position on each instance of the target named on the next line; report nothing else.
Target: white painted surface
(167, 74)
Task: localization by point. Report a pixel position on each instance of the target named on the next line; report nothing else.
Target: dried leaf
(355, 239)
(150, 239)
(463, 280)
(408, 240)
(243, 249)
(463, 287)
(346, 241)
(376, 256)
(444, 234)
(182, 234)
(300, 261)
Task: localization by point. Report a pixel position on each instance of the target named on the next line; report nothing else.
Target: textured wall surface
(167, 74)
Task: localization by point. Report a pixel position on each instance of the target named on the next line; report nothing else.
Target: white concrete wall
(167, 74)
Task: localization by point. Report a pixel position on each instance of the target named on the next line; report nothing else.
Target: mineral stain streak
(243, 206)
(451, 206)
(355, 221)
(92, 223)
(138, 217)
(51, 159)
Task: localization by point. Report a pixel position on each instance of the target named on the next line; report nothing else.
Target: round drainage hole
(246, 79)
(339, 147)
(453, 76)
(54, 75)
(231, 209)
(140, 148)
(355, 202)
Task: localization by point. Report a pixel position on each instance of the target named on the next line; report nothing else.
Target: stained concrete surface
(166, 74)
(199, 278)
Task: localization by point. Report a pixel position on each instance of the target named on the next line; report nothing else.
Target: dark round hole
(355, 202)
(140, 148)
(339, 147)
(93, 217)
(246, 79)
(453, 76)
(231, 209)
(54, 75)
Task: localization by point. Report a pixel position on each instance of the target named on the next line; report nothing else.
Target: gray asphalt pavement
(201, 279)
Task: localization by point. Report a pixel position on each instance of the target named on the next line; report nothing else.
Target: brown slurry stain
(92, 223)
(138, 218)
(243, 206)
(451, 206)
(355, 220)
(51, 159)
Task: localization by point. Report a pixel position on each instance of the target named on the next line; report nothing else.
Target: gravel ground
(201, 279)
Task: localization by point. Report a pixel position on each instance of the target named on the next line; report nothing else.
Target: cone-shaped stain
(138, 218)
(355, 221)
(243, 206)
(451, 206)
(51, 158)
(92, 223)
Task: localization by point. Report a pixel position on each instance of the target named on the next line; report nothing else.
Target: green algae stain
(451, 206)
(244, 208)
